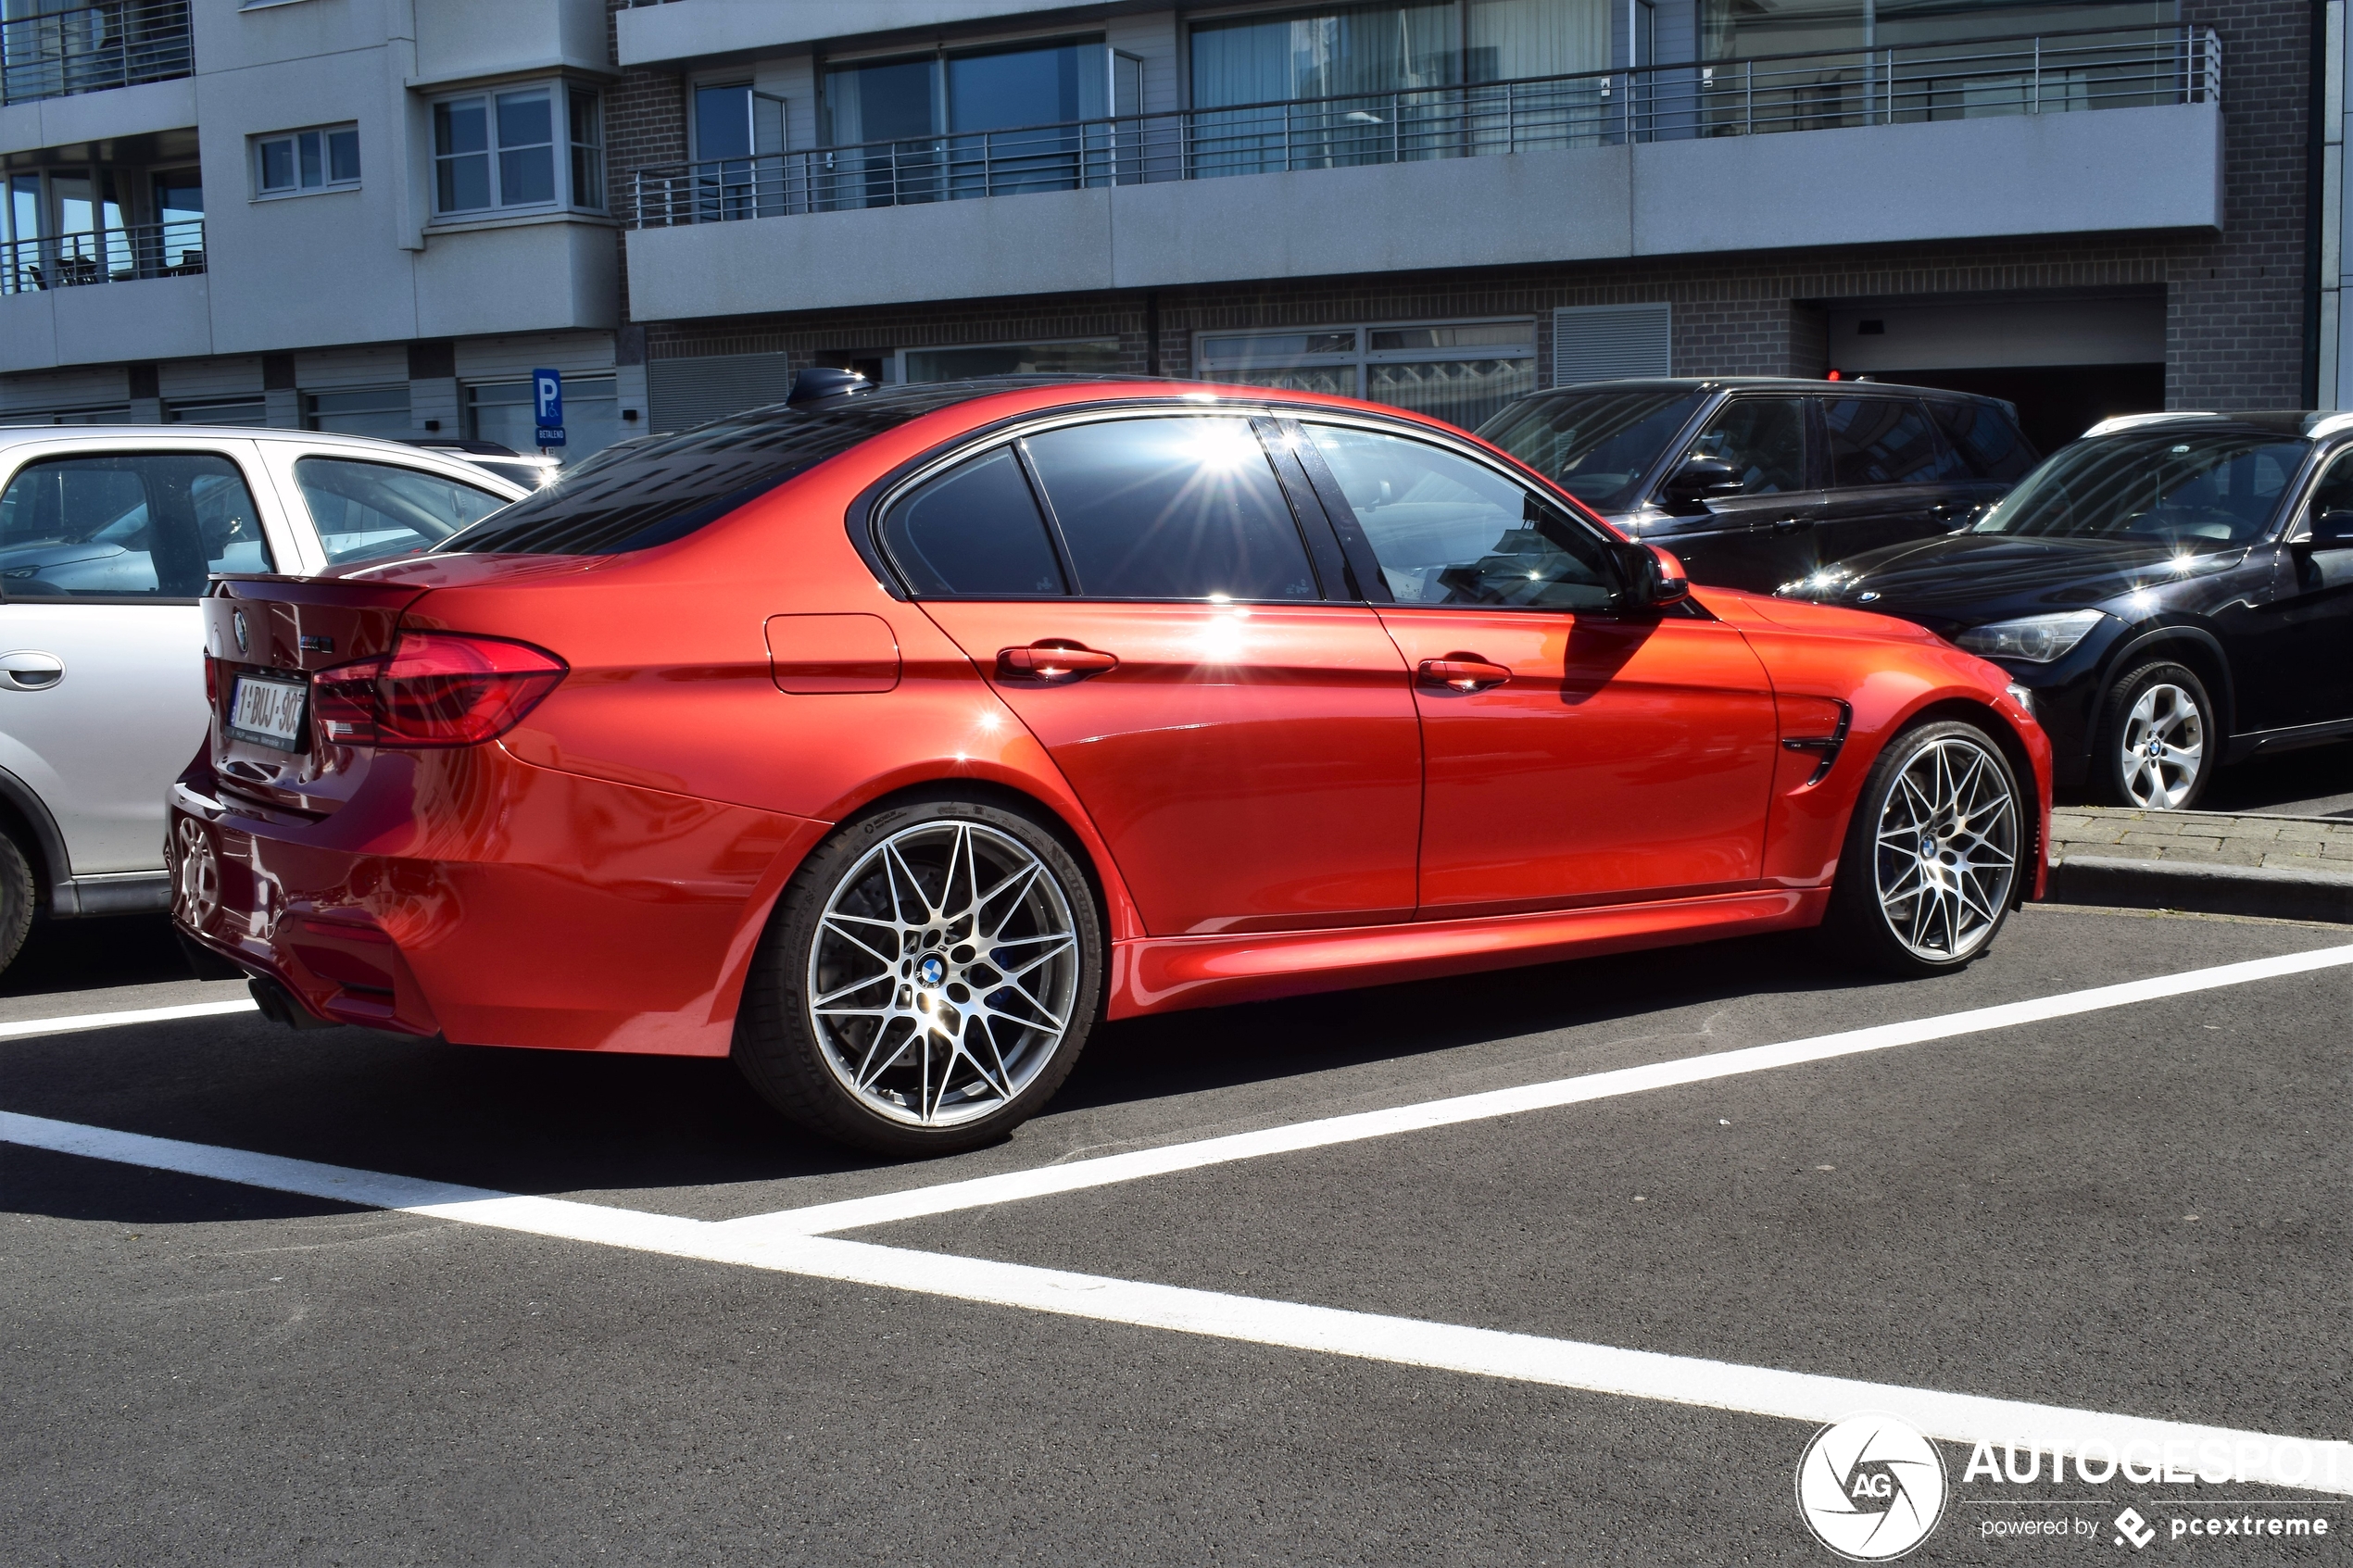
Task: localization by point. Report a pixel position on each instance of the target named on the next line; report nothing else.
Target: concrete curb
(2273, 893)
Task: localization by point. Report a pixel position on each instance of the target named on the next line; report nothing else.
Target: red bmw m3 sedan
(888, 741)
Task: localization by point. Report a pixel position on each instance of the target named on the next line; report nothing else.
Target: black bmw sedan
(2175, 591)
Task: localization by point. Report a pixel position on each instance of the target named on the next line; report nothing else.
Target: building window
(361, 410)
(294, 162)
(1079, 357)
(250, 409)
(498, 151)
(1457, 370)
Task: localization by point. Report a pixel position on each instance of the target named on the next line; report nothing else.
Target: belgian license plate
(268, 711)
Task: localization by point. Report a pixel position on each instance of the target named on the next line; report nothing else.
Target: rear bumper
(472, 896)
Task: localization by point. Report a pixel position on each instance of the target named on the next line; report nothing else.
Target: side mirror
(1656, 578)
(2330, 531)
(1701, 479)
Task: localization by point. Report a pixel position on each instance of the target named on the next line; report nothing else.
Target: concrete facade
(2192, 220)
(364, 266)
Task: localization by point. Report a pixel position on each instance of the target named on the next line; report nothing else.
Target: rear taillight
(433, 688)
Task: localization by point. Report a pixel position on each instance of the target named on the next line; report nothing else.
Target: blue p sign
(548, 400)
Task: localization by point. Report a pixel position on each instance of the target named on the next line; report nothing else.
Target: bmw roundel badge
(237, 624)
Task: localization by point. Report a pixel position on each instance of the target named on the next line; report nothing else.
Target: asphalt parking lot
(2122, 1200)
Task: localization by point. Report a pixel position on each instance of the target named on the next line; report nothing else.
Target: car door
(1571, 754)
(2290, 640)
(1890, 478)
(1763, 536)
(1249, 751)
(104, 553)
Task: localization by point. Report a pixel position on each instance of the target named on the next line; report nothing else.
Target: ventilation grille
(1611, 341)
(686, 393)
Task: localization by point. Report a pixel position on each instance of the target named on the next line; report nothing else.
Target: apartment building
(2089, 206)
(377, 217)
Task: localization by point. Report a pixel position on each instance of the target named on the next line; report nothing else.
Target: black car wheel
(17, 897)
(2158, 743)
(1931, 862)
(928, 982)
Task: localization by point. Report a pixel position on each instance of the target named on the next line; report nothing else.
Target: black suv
(1754, 482)
(2174, 590)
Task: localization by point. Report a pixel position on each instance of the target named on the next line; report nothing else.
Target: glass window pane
(278, 165)
(1593, 445)
(375, 410)
(1879, 441)
(1014, 359)
(1763, 438)
(314, 166)
(343, 156)
(1990, 445)
(462, 185)
(1171, 509)
(723, 121)
(1339, 380)
(1473, 335)
(527, 176)
(1463, 392)
(462, 127)
(1450, 531)
(1016, 87)
(975, 531)
(879, 103)
(151, 524)
(365, 511)
(525, 119)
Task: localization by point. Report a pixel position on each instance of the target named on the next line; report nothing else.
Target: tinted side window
(147, 524)
(1987, 441)
(364, 511)
(1450, 531)
(1171, 509)
(1764, 438)
(1879, 441)
(975, 531)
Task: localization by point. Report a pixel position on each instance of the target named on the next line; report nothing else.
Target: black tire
(17, 895)
(2159, 781)
(963, 994)
(1870, 921)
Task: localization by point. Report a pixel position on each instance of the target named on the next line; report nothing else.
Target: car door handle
(1792, 525)
(1461, 673)
(1052, 663)
(26, 671)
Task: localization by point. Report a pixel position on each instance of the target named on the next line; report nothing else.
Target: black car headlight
(2035, 639)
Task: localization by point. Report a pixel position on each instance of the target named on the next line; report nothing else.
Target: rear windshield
(1597, 445)
(661, 488)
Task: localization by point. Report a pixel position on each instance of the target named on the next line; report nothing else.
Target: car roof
(2312, 423)
(359, 445)
(1752, 383)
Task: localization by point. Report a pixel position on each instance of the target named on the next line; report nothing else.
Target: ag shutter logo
(1871, 1487)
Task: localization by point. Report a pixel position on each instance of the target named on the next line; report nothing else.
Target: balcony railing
(2049, 73)
(89, 48)
(111, 255)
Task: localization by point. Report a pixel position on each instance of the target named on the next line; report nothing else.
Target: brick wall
(2236, 301)
(645, 127)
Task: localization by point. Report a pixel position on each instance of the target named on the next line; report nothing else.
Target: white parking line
(820, 1219)
(110, 1019)
(2325, 1466)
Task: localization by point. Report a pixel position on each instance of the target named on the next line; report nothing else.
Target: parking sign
(548, 396)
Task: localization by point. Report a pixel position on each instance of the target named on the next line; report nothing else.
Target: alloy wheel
(198, 882)
(2164, 745)
(944, 973)
(1947, 850)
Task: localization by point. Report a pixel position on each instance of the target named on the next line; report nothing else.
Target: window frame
(1362, 357)
(256, 161)
(563, 152)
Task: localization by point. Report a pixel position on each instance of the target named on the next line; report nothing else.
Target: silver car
(107, 534)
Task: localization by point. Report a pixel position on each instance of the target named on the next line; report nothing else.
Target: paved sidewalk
(2208, 838)
(2286, 868)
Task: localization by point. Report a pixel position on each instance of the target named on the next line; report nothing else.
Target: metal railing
(90, 48)
(109, 256)
(2047, 73)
